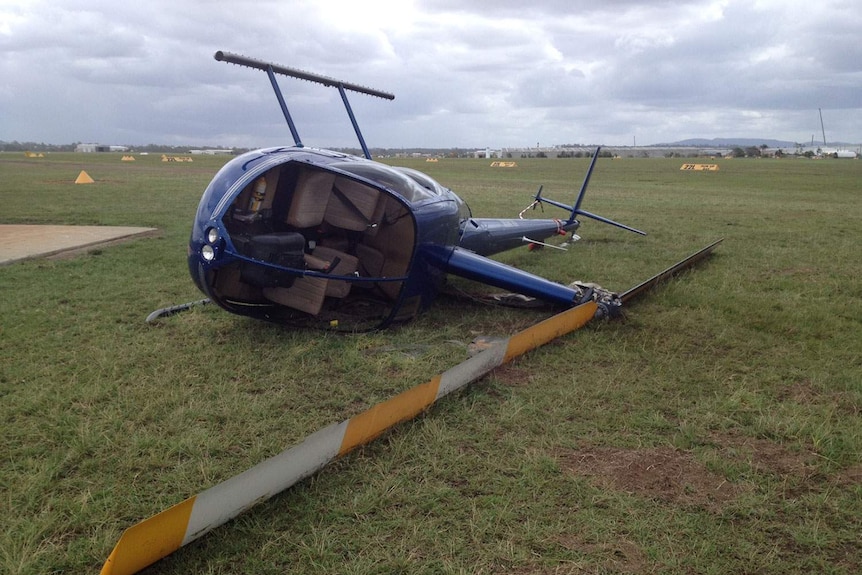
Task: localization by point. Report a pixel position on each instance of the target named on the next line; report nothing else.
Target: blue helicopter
(315, 237)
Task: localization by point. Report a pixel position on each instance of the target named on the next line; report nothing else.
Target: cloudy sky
(465, 73)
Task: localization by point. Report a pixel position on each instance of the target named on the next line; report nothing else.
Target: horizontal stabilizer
(609, 221)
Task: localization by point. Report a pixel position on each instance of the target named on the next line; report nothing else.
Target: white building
(99, 148)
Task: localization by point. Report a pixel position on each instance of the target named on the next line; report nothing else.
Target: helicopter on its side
(316, 237)
(309, 236)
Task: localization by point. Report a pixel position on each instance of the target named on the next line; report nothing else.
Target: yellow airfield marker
(699, 168)
(162, 534)
(84, 178)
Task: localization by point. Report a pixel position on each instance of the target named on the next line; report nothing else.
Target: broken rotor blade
(162, 534)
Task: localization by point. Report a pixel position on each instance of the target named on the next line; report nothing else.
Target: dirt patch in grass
(662, 474)
(795, 467)
(766, 456)
(804, 392)
(849, 477)
(675, 476)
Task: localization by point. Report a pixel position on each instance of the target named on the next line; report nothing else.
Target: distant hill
(731, 143)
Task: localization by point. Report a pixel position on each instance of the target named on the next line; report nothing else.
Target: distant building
(487, 153)
(100, 148)
(211, 151)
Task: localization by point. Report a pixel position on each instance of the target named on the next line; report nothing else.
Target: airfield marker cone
(84, 178)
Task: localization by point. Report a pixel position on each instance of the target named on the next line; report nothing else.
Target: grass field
(716, 429)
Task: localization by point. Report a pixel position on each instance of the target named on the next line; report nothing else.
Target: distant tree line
(17, 146)
(580, 154)
(757, 152)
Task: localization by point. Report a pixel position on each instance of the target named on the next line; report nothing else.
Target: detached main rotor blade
(160, 535)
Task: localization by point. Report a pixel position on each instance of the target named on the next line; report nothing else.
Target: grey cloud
(464, 73)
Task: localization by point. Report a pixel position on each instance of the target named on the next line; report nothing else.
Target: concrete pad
(21, 242)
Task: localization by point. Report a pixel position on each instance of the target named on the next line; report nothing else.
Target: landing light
(208, 252)
(212, 235)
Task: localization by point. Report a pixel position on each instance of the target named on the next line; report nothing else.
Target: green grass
(739, 381)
